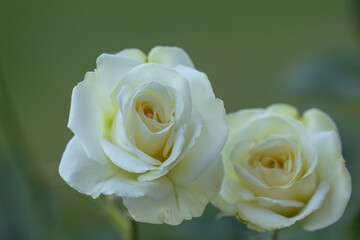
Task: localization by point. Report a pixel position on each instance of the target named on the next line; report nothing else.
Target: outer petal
(284, 109)
(87, 116)
(317, 121)
(331, 168)
(125, 160)
(239, 118)
(184, 202)
(170, 56)
(126, 186)
(110, 71)
(89, 177)
(262, 219)
(214, 132)
(133, 53)
(81, 172)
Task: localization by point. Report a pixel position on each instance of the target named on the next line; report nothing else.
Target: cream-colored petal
(247, 176)
(152, 72)
(184, 202)
(316, 121)
(232, 190)
(126, 186)
(88, 115)
(247, 156)
(285, 109)
(283, 203)
(119, 135)
(82, 172)
(170, 56)
(133, 53)
(286, 208)
(269, 124)
(261, 219)
(267, 220)
(331, 168)
(163, 169)
(110, 71)
(127, 104)
(182, 135)
(224, 205)
(92, 178)
(125, 160)
(187, 123)
(214, 131)
(182, 143)
(151, 134)
(300, 191)
(152, 143)
(239, 118)
(148, 210)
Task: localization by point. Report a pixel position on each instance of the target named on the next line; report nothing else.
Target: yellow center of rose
(153, 115)
(153, 127)
(149, 112)
(278, 157)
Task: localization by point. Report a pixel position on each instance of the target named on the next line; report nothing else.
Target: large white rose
(150, 130)
(281, 168)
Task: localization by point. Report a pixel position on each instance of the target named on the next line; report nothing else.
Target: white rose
(150, 130)
(281, 168)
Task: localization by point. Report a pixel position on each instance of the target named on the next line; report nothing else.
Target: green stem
(274, 235)
(134, 230)
(119, 217)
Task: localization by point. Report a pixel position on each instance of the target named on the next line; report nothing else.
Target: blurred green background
(255, 53)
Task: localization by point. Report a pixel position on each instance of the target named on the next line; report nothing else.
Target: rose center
(273, 158)
(151, 113)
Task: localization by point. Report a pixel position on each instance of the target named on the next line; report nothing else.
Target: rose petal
(89, 177)
(316, 121)
(283, 203)
(232, 190)
(184, 202)
(127, 186)
(300, 191)
(150, 136)
(110, 71)
(239, 118)
(87, 116)
(133, 53)
(170, 56)
(214, 132)
(330, 168)
(268, 124)
(139, 76)
(150, 142)
(285, 109)
(82, 172)
(164, 168)
(124, 159)
(266, 220)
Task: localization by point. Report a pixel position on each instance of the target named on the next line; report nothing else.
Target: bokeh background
(255, 53)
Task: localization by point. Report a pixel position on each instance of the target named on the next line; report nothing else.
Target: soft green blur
(255, 53)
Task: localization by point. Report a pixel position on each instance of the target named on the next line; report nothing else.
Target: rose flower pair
(148, 128)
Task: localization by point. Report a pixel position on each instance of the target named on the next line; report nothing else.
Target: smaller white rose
(281, 168)
(150, 130)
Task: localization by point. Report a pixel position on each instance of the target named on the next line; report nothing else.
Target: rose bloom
(281, 168)
(150, 130)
